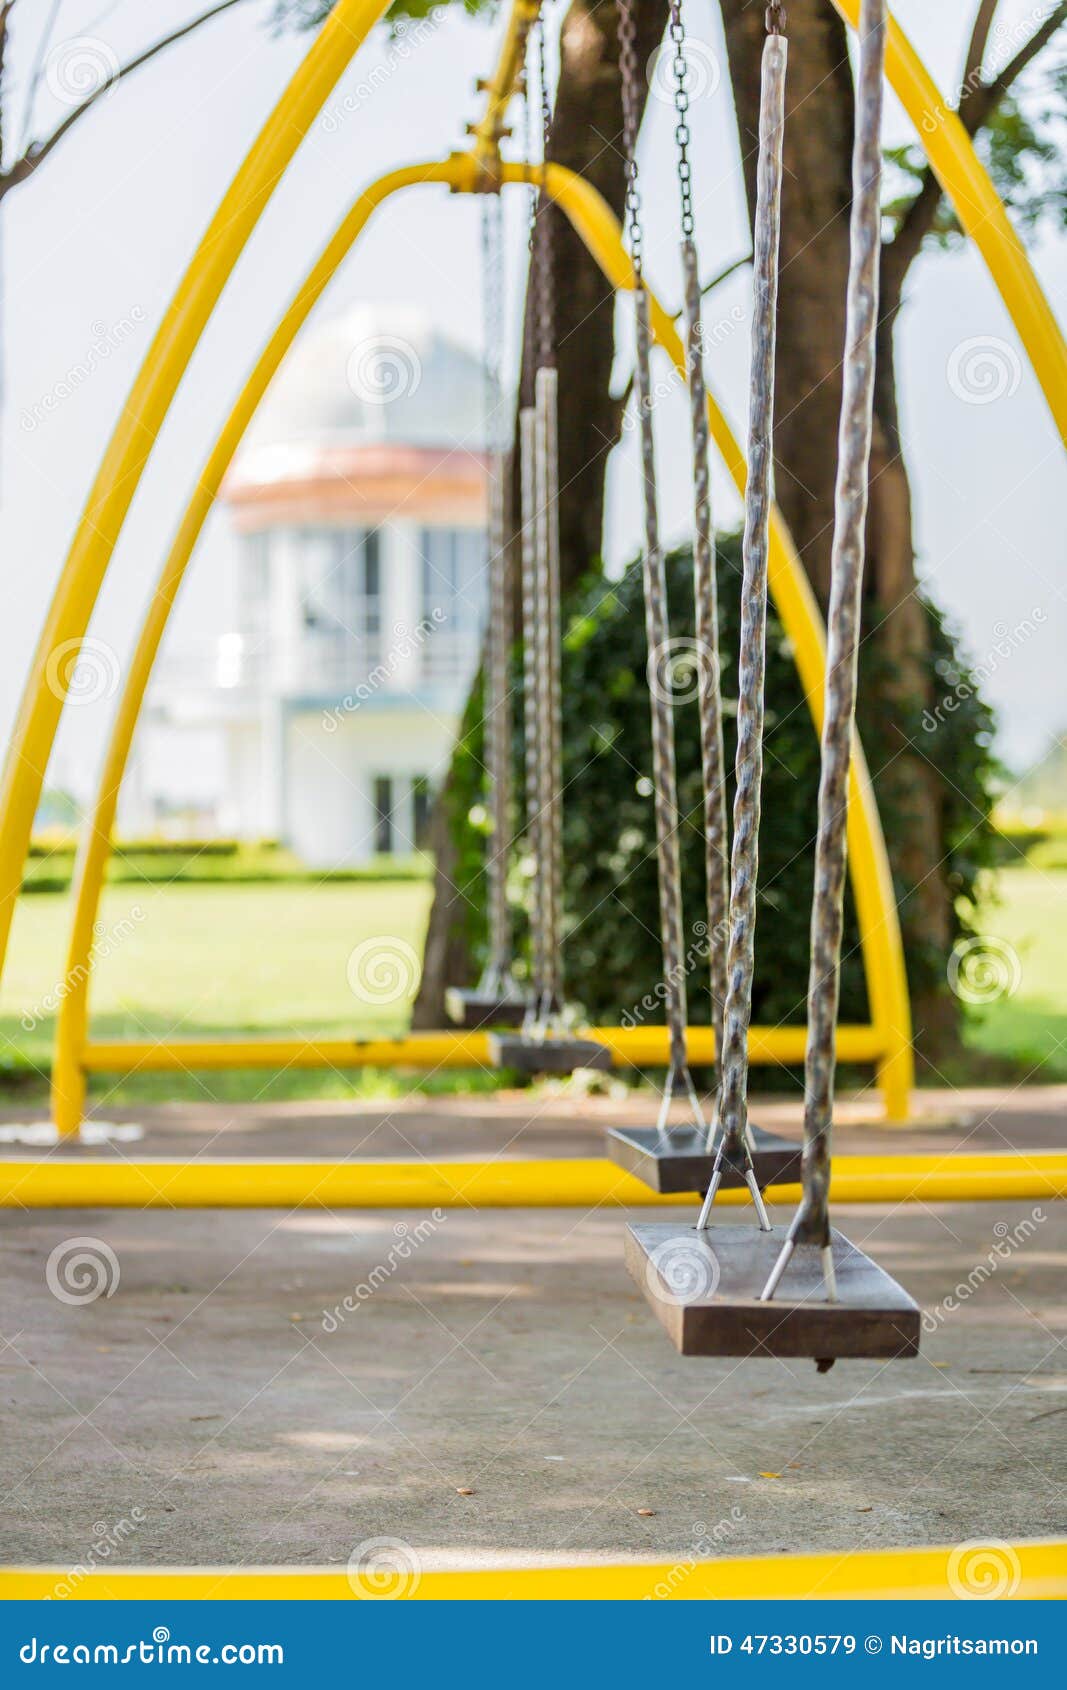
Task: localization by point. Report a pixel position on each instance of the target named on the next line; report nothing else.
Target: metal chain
(631, 115)
(812, 1222)
(657, 622)
(497, 689)
(682, 135)
(541, 233)
(751, 669)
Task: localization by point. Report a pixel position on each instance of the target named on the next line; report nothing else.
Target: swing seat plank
(705, 1287)
(676, 1160)
(474, 1010)
(556, 1054)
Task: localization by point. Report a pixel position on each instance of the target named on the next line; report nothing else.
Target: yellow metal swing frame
(886, 1041)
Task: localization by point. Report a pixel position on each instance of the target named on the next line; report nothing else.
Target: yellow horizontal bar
(569, 1183)
(630, 1046)
(935, 1574)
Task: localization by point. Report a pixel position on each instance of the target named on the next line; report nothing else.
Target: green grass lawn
(187, 960)
(1029, 1027)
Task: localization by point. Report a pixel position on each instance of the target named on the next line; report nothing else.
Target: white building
(325, 714)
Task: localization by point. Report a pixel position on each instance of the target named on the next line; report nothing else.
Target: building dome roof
(378, 375)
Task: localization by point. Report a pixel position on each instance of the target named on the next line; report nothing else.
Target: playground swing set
(737, 1290)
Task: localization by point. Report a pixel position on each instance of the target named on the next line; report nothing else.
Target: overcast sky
(93, 248)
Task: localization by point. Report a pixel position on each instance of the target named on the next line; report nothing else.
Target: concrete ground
(501, 1393)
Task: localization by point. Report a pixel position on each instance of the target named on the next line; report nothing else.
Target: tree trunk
(816, 204)
(587, 124)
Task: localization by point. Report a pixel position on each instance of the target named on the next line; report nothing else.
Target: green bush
(612, 955)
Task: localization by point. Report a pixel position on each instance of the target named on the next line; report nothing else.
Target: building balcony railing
(319, 665)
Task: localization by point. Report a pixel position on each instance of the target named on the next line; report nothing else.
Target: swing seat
(677, 1160)
(705, 1288)
(472, 1009)
(555, 1054)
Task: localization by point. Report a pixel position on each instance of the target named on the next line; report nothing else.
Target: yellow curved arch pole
(600, 230)
(142, 417)
(979, 208)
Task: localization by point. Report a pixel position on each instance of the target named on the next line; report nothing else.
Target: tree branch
(38, 151)
(976, 107)
(38, 71)
(983, 23)
(5, 15)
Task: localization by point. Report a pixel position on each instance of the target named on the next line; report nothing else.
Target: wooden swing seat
(677, 1160)
(474, 1010)
(555, 1054)
(705, 1289)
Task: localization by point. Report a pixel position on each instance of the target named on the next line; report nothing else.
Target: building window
(340, 602)
(421, 808)
(454, 578)
(383, 814)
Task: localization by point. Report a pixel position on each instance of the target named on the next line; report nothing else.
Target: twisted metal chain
(497, 690)
(812, 1223)
(531, 729)
(709, 695)
(631, 116)
(750, 710)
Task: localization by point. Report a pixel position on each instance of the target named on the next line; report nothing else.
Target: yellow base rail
(1029, 1571)
(571, 1183)
(637, 1047)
